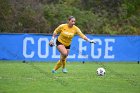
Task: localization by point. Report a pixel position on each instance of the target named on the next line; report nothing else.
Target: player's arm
(83, 36)
(51, 43)
(87, 39)
(56, 31)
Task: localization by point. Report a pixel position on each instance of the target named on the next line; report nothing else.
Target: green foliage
(56, 14)
(5, 12)
(93, 16)
(132, 6)
(30, 21)
(26, 18)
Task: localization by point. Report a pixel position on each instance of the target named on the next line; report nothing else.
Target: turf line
(53, 77)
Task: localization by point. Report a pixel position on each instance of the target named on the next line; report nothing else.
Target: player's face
(71, 22)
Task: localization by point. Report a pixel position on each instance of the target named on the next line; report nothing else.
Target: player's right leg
(64, 53)
(57, 66)
(62, 61)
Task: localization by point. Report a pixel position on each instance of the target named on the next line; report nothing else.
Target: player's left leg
(63, 60)
(58, 65)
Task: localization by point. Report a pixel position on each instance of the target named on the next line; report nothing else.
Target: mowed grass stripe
(36, 77)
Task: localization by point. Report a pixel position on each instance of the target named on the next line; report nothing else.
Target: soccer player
(66, 33)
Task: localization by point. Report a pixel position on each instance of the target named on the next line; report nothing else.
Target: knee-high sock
(58, 65)
(63, 61)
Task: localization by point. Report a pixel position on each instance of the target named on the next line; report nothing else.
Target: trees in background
(93, 16)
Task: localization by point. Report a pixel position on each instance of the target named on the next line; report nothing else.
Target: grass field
(36, 77)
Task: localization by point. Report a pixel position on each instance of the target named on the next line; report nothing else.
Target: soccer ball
(101, 71)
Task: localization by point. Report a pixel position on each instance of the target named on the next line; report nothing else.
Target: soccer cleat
(53, 71)
(64, 70)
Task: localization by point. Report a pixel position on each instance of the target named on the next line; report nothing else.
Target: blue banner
(35, 47)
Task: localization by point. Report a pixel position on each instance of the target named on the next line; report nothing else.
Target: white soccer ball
(101, 71)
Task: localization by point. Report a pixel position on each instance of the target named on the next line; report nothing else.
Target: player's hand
(51, 43)
(92, 41)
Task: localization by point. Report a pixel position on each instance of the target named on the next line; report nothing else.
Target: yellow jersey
(66, 33)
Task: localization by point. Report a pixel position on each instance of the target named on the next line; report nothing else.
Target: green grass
(35, 77)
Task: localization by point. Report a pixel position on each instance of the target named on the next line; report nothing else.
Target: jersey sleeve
(78, 31)
(58, 29)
